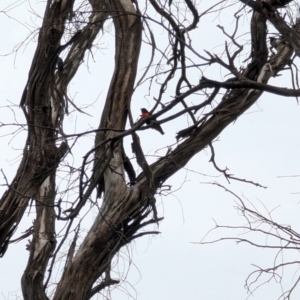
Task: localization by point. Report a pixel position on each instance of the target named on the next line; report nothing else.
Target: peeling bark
(125, 209)
(43, 243)
(108, 233)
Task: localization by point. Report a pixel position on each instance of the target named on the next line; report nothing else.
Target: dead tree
(127, 201)
(281, 238)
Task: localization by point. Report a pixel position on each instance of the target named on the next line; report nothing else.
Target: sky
(262, 146)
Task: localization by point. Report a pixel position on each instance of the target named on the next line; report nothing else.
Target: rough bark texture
(41, 155)
(107, 234)
(125, 209)
(43, 243)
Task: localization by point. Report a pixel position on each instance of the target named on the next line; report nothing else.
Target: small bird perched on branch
(154, 124)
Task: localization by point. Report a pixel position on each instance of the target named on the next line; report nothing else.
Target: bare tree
(278, 237)
(68, 32)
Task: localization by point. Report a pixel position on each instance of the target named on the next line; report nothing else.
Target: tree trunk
(125, 208)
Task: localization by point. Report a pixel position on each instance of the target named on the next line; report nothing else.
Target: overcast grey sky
(261, 146)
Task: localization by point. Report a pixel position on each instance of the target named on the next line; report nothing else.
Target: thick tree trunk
(109, 233)
(125, 209)
(43, 243)
(40, 155)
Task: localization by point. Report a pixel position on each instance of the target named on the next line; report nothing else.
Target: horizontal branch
(239, 240)
(250, 84)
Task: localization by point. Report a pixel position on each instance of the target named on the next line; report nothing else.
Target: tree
(68, 32)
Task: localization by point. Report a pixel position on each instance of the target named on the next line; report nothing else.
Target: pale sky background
(261, 146)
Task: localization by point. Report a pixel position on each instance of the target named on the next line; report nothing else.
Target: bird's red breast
(154, 124)
(145, 113)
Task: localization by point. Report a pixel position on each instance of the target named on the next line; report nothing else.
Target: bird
(154, 124)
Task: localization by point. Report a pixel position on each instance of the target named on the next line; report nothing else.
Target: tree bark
(109, 232)
(125, 209)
